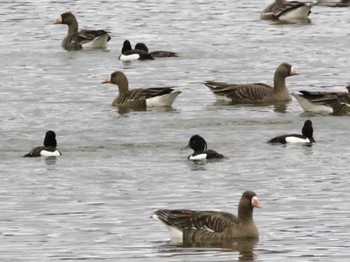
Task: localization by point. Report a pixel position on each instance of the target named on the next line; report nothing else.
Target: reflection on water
(245, 247)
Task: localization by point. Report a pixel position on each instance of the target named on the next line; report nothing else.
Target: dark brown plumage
(77, 40)
(255, 93)
(209, 225)
(140, 97)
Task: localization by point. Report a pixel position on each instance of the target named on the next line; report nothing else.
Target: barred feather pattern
(279, 7)
(339, 101)
(77, 40)
(137, 97)
(244, 93)
(198, 224)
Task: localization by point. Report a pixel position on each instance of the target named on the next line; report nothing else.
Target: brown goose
(256, 93)
(193, 225)
(337, 103)
(77, 40)
(286, 10)
(141, 97)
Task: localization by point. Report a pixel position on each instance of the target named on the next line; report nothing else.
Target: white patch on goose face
(198, 157)
(49, 153)
(126, 58)
(294, 140)
(175, 233)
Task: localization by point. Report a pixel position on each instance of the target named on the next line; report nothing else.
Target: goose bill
(256, 202)
(293, 72)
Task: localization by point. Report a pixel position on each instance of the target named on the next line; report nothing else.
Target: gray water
(94, 203)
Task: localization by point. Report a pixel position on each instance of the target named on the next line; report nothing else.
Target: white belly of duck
(301, 12)
(46, 153)
(198, 157)
(163, 100)
(295, 140)
(126, 58)
(98, 42)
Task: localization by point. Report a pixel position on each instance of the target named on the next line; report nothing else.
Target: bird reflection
(244, 247)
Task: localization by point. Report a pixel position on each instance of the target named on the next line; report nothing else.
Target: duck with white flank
(199, 146)
(156, 54)
(84, 39)
(306, 136)
(190, 225)
(129, 54)
(287, 10)
(255, 93)
(141, 97)
(337, 103)
(49, 148)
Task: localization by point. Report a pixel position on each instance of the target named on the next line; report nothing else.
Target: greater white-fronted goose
(141, 97)
(129, 54)
(77, 40)
(256, 93)
(199, 146)
(49, 148)
(185, 224)
(306, 136)
(156, 54)
(337, 103)
(286, 10)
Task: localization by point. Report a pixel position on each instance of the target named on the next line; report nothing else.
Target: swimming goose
(49, 148)
(142, 97)
(156, 54)
(337, 103)
(129, 54)
(77, 40)
(199, 146)
(286, 10)
(185, 224)
(256, 93)
(306, 137)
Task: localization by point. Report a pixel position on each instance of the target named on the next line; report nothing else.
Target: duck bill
(256, 202)
(106, 81)
(58, 21)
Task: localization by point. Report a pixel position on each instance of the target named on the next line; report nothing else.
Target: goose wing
(183, 219)
(255, 92)
(278, 8)
(84, 36)
(139, 96)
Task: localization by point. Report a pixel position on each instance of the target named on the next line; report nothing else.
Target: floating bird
(199, 146)
(287, 10)
(49, 148)
(83, 39)
(129, 54)
(155, 54)
(255, 93)
(141, 97)
(306, 136)
(337, 103)
(185, 224)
